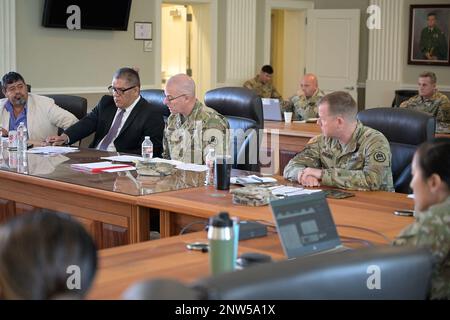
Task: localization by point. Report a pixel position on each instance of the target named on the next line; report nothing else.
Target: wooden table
(284, 141)
(373, 210)
(166, 258)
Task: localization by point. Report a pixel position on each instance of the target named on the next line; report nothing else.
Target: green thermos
(221, 244)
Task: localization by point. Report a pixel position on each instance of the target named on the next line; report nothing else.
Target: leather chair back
(405, 130)
(156, 98)
(243, 110)
(372, 273)
(402, 95)
(74, 104)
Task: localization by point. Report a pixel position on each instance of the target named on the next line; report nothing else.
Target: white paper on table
(173, 162)
(52, 150)
(123, 158)
(291, 191)
(411, 196)
(251, 180)
(192, 167)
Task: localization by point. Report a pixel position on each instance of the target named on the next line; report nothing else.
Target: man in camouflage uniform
(429, 99)
(262, 84)
(346, 155)
(192, 128)
(304, 104)
(433, 43)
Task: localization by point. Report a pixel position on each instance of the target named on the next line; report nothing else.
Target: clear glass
(209, 161)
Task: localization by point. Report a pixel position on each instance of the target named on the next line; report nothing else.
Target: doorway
(288, 49)
(186, 43)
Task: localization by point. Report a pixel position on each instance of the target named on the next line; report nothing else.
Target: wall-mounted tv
(94, 14)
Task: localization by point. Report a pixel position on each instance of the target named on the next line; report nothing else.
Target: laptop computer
(305, 225)
(271, 109)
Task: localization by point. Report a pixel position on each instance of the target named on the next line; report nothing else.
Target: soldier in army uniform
(262, 84)
(433, 43)
(304, 104)
(347, 154)
(192, 128)
(429, 99)
(431, 187)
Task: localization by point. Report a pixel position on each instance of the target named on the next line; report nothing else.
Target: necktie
(112, 133)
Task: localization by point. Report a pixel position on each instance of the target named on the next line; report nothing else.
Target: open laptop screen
(271, 109)
(305, 224)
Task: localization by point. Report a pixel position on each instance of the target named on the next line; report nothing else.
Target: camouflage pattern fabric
(438, 106)
(188, 139)
(432, 230)
(363, 164)
(302, 107)
(155, 168)
(264, 90)
(252, 196)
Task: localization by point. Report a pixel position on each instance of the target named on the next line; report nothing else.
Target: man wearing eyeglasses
(192, 128)
(347, 154)
(40, 114)
(120, 121)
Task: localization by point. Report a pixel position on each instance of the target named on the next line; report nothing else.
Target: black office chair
(243, 110)
(156, 98)
(371, 273)
(402, 95)
(405, 130)
(74, 104)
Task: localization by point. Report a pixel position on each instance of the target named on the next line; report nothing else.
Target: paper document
(96, 167)
(52, 150)
(192, 167)
(286, 191)
(251, 179)
(123, 158)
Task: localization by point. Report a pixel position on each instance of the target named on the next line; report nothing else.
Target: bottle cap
(222, 220)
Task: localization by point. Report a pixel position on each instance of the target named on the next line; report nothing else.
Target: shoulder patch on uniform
(379, 156)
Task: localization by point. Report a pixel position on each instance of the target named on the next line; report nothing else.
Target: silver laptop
(271, 109)
(305, 225)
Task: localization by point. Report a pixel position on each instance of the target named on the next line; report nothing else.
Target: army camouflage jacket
(432, 229)
(302, 107)
(363, 164)
(188, 139)
(438, 106)
(264, 90)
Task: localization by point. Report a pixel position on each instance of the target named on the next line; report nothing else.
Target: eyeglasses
(119, 91)
(170, 98)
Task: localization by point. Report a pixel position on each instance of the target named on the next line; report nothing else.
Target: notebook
(271, 109)
(305, 225)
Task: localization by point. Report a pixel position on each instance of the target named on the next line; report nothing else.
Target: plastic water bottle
(147, 149)
(221, 243)
(209, 161)
(22, 137)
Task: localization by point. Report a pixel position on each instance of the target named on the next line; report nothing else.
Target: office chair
(385, 272)
(156, 98)
(243, 110)
(74, 104)
(402, 95)
(405, 130)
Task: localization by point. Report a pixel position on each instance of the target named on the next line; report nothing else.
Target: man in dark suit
(120, 121)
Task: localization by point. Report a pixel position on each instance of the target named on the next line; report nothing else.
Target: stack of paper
(52, 150)
(97, 167)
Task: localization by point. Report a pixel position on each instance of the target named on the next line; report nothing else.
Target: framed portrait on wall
(429, 30)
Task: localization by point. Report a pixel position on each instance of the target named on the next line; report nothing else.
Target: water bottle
(209, 161)
(147, 149)
(221, 244)
(22, 137)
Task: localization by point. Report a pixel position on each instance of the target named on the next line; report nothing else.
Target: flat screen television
(95, 14)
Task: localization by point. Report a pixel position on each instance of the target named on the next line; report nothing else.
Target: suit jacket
(44, 117)
(144, 120)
